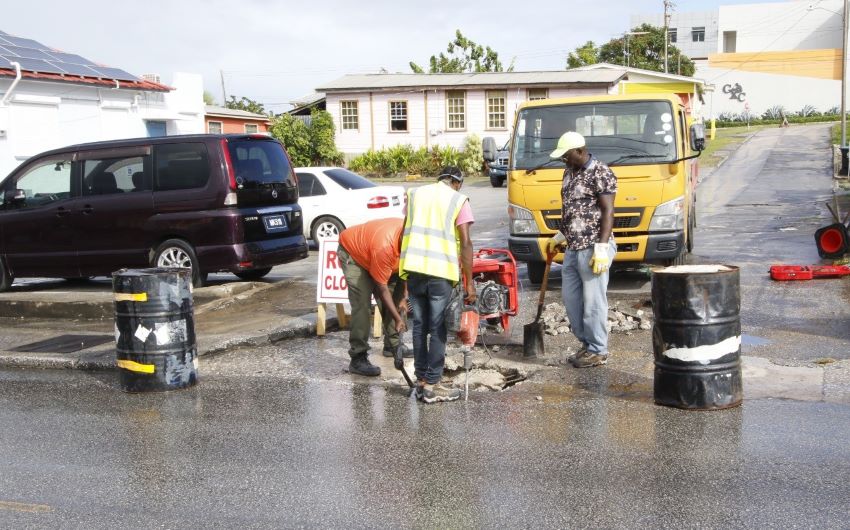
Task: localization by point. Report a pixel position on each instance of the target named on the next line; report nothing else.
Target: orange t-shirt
(375, 246)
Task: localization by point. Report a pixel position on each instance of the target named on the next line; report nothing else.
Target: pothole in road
(485, 376)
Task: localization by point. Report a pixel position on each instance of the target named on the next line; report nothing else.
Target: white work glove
(600, 262)
(554, 242)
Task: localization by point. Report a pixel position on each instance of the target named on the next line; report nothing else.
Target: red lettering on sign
(331, 260)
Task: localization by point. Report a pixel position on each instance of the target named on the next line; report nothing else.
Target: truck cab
(650, 144)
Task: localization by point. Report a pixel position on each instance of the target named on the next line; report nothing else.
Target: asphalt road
(261, 452)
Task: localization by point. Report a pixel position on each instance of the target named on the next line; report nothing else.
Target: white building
(757, 56)
(375, 111)
(43, 105)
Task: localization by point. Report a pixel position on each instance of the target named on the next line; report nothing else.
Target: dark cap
(452, 172)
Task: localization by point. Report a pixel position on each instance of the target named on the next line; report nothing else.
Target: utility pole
(223, 91)
(668, 11)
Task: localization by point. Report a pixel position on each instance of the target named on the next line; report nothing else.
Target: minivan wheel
(178, 253)
(6, 278)
(326, 227)
(253, 274)
(497, 182)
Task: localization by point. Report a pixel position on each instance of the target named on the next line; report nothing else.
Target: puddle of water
(752, 340)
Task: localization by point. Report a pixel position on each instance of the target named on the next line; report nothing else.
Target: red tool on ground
(807, 272)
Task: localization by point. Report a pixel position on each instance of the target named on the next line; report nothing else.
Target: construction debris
(620, 319)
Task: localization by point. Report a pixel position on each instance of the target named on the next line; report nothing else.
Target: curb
(100, 358)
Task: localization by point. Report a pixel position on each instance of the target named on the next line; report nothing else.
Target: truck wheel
(178, 253)
(678, 260)
(535, 271)
(6, 278)
(497, 182)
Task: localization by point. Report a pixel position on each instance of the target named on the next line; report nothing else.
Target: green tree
(583, 56)
(307, 144)
(463, 55)
(645, 51)
(209, 99)
(248, 105)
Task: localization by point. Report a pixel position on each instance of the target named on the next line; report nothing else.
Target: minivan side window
(181, 166)
(46, 182)
(309, 185)
(114, 175)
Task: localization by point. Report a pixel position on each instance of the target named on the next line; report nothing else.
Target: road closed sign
(331, 287)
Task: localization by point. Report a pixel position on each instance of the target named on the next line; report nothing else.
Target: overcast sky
(275, 51)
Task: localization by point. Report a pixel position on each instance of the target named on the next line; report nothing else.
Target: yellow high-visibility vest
(429, 244)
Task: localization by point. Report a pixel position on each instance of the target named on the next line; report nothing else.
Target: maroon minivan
(214, 203)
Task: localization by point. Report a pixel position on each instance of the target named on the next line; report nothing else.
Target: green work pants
(360, 289)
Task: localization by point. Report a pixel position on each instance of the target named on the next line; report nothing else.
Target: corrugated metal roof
(631, 69)
(548, 78)
(212, 110)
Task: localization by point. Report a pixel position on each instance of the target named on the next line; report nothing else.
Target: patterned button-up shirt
(581, 217)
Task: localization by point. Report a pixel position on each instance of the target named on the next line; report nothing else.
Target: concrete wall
(45, 115)
(684, 22)
(427, 118)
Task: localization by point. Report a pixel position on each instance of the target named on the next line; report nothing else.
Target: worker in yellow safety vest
(435, 247)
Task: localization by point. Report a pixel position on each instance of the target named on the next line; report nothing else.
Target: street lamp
(626, 52)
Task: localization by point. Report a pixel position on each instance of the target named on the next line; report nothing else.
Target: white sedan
(333, 198)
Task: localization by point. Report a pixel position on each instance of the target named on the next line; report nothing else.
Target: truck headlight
(668, 216)
(522, 221)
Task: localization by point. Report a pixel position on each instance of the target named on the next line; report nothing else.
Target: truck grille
(553, 218)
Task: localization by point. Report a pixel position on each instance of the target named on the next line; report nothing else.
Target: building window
(456, 109)
(698, 34)
(215, 127)
(496, 109)
(537, 93)
(350, 118)
(672, 34)
(398, 116)
(252, 128)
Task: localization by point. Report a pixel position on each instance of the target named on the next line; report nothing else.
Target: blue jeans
(586, 299)
(429, 297)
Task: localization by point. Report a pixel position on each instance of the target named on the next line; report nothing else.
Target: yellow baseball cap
(569, 140)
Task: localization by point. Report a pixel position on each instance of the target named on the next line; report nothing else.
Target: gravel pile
(620, 319)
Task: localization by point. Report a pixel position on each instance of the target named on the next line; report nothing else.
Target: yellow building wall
(821, 64)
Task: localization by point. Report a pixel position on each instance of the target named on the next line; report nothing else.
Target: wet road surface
(283, 452)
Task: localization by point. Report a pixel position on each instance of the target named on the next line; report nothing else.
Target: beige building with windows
(374, 111)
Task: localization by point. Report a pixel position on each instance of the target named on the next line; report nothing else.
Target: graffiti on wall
(735, 91)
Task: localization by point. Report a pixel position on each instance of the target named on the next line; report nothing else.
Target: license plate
(275, 223)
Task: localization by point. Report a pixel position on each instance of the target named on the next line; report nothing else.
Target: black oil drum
(696, 338)
(155, 329)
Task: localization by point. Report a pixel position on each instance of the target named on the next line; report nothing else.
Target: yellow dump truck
(649, 142)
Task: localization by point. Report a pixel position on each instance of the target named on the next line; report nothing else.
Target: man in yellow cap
(587, 220)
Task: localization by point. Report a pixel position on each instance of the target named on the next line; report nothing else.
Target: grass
(726, 139)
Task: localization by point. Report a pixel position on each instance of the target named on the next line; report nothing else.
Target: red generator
(495, 277)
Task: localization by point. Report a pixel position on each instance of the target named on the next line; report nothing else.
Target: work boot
(390, 352)
(580, 353)
(438, 392)
(362, 366)
(590, 359)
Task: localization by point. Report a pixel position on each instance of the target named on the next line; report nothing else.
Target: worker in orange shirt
(369, 256)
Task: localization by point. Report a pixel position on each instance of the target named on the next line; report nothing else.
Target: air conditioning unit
(153, 78)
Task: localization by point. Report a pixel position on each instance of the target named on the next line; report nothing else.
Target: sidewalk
(228, 315)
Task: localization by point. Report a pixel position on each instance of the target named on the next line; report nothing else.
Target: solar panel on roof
(4, 63)
(5, 42)
(78, 69)
(115, 73)
(69, 58)
(26, 43)
(29, 53)
(35, 65)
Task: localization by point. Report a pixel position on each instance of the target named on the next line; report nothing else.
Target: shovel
(532, 334)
